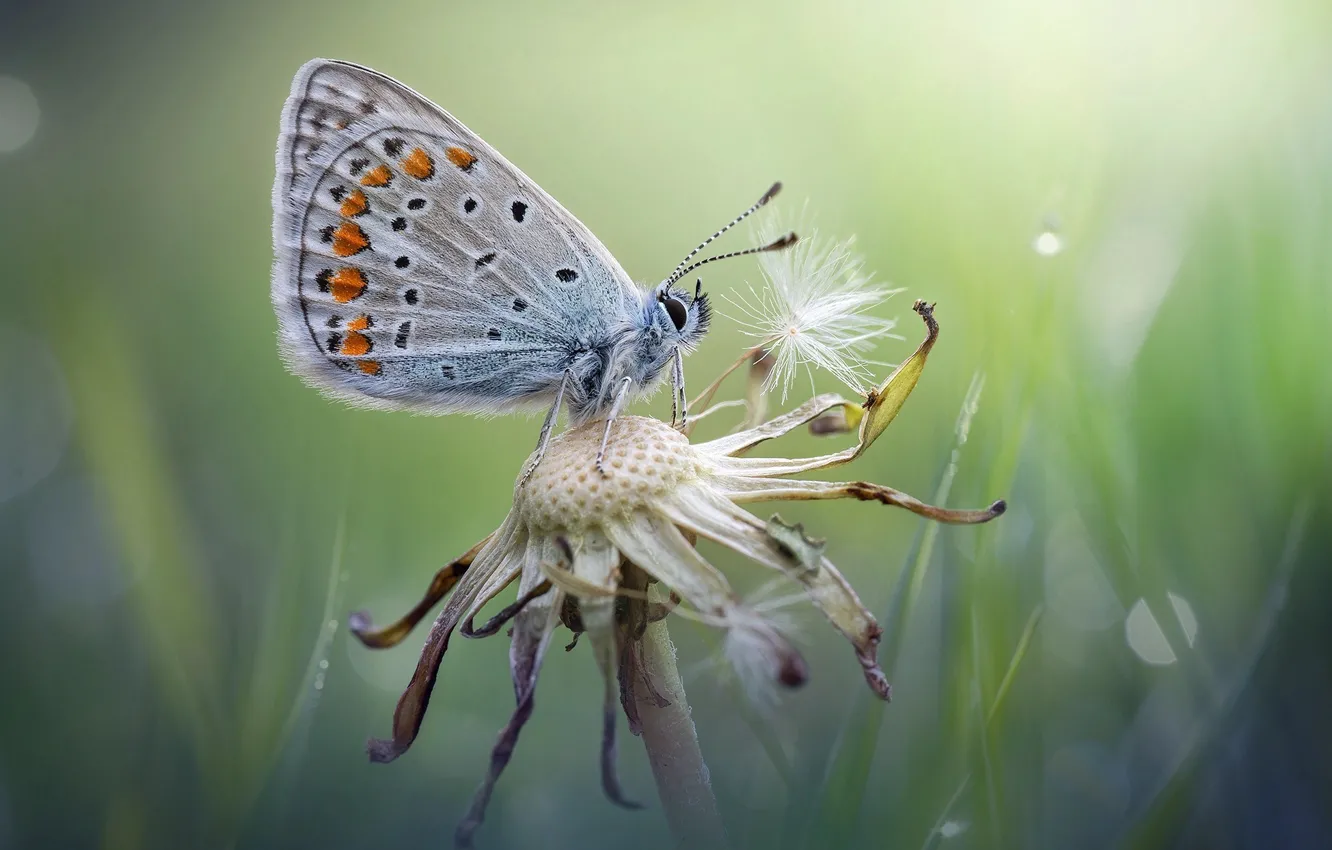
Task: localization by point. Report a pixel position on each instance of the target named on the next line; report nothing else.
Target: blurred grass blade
(1024, 643)
(837, 811)
(1156, 819)
(328, 627)
(983, 759)
(1010, 674)
(270, 710)
(174, 604)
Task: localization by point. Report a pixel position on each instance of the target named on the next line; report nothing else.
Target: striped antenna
(785, 242)
(681, 271)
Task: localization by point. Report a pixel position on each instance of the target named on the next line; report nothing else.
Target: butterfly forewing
(416, 267)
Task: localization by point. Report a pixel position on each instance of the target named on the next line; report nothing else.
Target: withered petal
(499, 759)
(743, 489)
(604, 643)
(776, 427)
(711, 515)
(412, 705)
(360, 625)
(659, 549)
(415, 699)
(495, 623)
(533, 628)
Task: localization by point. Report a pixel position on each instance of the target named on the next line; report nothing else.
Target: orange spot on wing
(370, 367)
(460, 158)
(349, 239)
(380, 175)
(418, 163)
(347, 284)
(359, 323)
(356, 344)
(355, 204)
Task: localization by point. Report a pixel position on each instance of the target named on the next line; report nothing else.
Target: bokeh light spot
(1148, 640)
(19, 114)
(1047, 243)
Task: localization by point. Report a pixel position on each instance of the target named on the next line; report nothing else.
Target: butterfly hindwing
(418, 268)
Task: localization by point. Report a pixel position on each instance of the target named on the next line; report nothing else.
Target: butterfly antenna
(785, 242)
(681, 271)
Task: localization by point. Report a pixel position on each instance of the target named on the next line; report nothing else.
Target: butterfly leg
(620, 395)
(546, 427)
(678, 396)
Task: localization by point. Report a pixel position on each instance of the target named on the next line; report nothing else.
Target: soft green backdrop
(1122, 210)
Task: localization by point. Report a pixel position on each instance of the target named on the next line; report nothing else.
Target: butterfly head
(678, 316)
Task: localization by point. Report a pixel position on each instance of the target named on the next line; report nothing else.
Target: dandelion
(812, 312)
(584, 549)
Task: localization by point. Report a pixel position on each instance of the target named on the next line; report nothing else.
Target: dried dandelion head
(584, 548)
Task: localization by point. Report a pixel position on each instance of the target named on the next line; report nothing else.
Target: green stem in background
(671, 741)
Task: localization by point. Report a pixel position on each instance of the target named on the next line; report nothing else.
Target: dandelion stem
(672, 747)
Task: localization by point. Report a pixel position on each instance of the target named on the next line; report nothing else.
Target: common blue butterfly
(418, 269)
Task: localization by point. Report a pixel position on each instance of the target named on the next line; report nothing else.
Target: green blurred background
(1122, 209)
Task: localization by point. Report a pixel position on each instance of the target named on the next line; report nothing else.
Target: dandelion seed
(812, 311)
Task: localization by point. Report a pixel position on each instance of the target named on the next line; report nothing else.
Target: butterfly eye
(676, 310)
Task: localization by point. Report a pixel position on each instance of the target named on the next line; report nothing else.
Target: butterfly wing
(416, 267)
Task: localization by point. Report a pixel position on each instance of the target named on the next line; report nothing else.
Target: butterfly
(416, 268)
